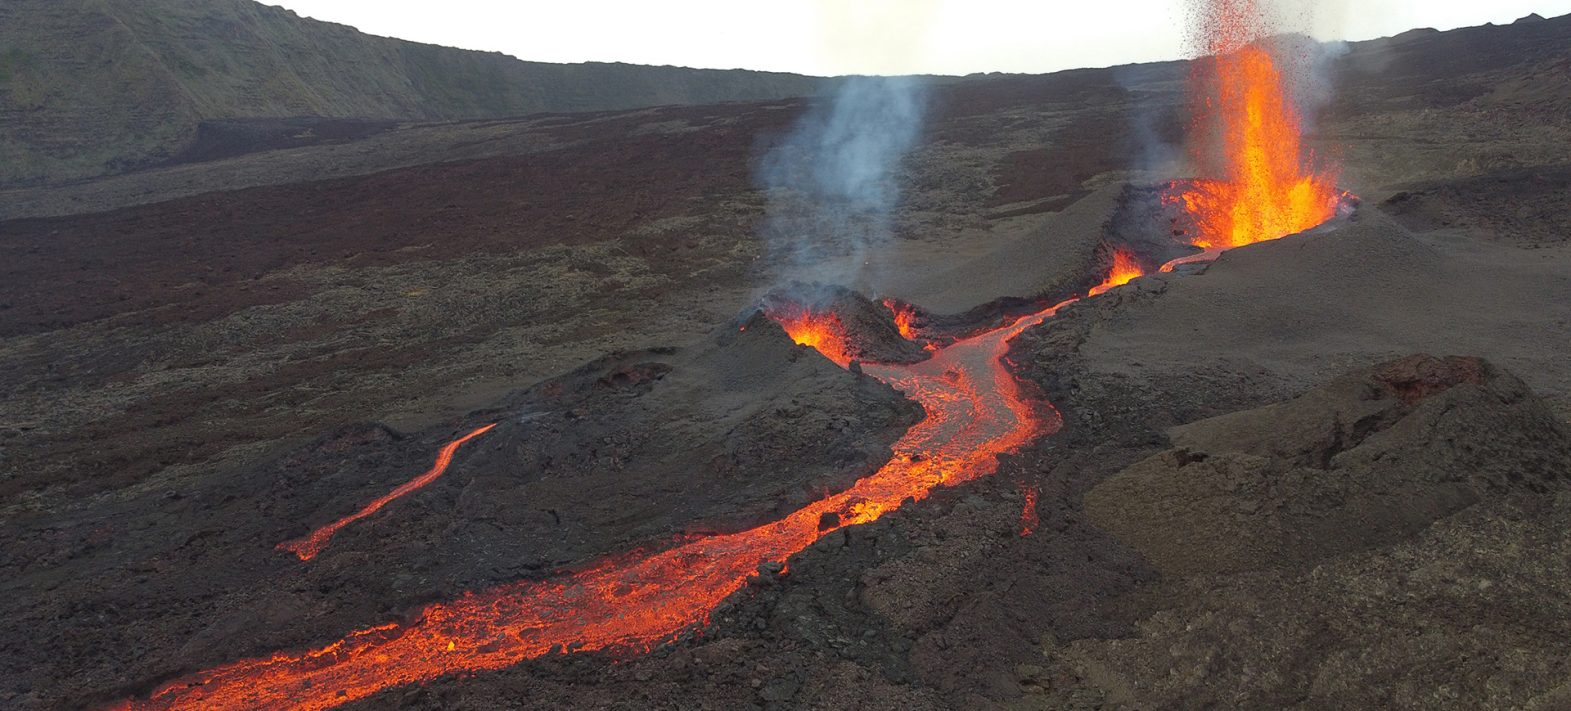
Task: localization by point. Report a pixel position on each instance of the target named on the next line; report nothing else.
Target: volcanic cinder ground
(1263, 496)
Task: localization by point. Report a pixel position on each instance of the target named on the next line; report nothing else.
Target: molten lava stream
(975, 411)
(1028, 514)
(311, 544)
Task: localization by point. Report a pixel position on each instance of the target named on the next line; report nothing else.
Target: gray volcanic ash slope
(94, 87)
(1364, 462)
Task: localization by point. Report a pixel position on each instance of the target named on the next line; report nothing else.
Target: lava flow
(821, 330)
(311, 544)
(1028, 515)
(975, 409)
(1268, 187)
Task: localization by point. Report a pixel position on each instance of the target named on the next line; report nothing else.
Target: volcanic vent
(1247, 134)
(623, 563)
(845, 326)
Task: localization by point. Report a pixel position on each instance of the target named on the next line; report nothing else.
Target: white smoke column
(833, 183)
(1153, 96)
(1314, 79)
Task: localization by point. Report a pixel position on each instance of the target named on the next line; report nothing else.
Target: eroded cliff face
(93, 87)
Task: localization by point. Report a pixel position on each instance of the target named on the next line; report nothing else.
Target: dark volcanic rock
(632, 450)
(1365, 461)
(721, 436)
(1142, 223)
(1395, 539)
(103, 87)
(1528, 207)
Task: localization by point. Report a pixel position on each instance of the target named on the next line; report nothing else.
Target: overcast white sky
(866, 36)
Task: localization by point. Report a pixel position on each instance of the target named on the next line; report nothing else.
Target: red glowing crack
(311, 544)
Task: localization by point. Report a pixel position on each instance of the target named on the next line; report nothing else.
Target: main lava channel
(975, 409)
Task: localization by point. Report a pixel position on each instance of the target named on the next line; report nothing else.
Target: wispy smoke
(1311, 73)
(832, 184)
(1154, 116)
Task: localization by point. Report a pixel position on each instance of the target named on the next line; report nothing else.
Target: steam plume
(832, 184)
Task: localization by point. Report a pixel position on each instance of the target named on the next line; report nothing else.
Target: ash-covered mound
(720, 437)
(634, 449)
(1521, 206)
(1366, 461)
(1015, 271)
(840, 323)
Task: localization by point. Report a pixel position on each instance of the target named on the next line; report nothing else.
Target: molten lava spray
(1268, 187)
(1125, 269)
(905, 318)
(307, 547)
(821, 330)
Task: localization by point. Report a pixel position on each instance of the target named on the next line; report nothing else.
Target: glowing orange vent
(1125, 269)
(1266, 189)
(822, 331)
(905, 317)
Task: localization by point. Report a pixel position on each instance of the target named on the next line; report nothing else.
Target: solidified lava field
(495, 414)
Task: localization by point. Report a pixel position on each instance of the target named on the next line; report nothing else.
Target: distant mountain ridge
(93, 87)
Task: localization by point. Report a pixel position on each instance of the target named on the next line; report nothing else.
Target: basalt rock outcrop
(1365, 461)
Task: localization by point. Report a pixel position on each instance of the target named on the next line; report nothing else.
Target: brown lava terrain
(1265, 495)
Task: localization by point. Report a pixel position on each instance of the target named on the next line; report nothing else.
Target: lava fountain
(1125, 268)
(1269, 186)
(976, 410)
